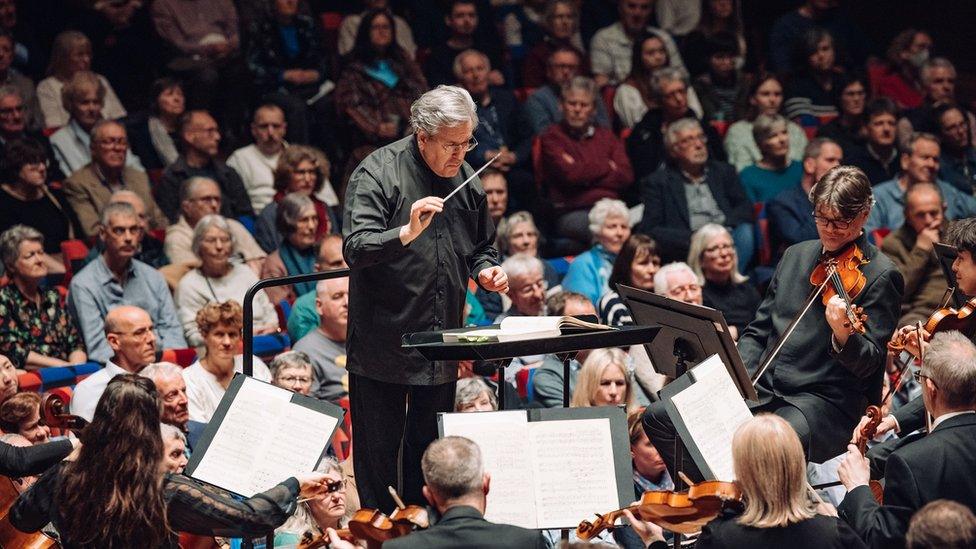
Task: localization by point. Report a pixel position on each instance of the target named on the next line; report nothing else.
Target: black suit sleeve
(911, 416)
(653, 191)
(18, 461)
(33, 508)
(884, 525)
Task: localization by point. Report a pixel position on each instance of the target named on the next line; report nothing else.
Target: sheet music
(574, 471)
(263, 439)
(502, 438)
(712, 409)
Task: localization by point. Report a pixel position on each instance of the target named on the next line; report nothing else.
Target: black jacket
(938, 466)
(234, 200)
(464, 527)
(830, 389)
(645, 144)
(666, 216)
(819, 532)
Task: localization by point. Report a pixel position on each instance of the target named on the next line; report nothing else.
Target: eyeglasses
(693, 139)
(686, 289)
(455, 148)
(718, 248)
(216, 239)
(839, 224)
(917, 375)
(293, 379)
(114, 142)
(12, 110)
(529, 289)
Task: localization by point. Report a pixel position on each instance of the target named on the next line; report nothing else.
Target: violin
(944, 319)
(375, 527)
(841, 275)
(682, 512)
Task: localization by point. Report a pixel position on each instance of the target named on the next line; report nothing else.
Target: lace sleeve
(204, 510)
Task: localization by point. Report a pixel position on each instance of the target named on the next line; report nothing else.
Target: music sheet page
(264, 439)
(712, 409)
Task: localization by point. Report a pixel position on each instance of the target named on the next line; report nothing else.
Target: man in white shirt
(129, 331)
(256, 163)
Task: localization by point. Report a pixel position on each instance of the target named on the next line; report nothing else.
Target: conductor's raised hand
(493, 279)
(421, 214)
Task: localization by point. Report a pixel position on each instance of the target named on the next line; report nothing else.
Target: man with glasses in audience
(526, 286)
(679, 282)
(411, 252)
(15, 124)
(825, 374)
(326, 344)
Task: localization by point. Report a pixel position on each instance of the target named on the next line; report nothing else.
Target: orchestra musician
(778, 512)
(824, 374)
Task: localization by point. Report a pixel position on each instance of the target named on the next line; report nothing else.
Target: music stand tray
(431, 345)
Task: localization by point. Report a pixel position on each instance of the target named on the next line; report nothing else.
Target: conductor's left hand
(493, 279)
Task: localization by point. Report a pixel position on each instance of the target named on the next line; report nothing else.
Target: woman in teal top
(774, 172)
(589, 272)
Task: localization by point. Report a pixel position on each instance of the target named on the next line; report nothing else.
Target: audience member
(202, 47)
(650, 473)
(83, 96)
(28, 55)
(543, 107)
(71, 54)
(302, 170)
(304, 315)
(293, 370)
(150, 250)
(942, 524)
(635, 266)
(849, 128)
(877, 158)
(207, 379)
(9, 76)
(788, 31)
(581, 163)
(919, 164)
(290, 68)
(957, 164)
(809, 95)
(765, 96)
(910, 248)
(722, 84)
(547, 382)
(333, 510)
(116, 278)
(200, 139)
(634, 97)
(496, 189)
(129, 333)
(297, 221)
(168, 379)
(712, 257)
(610, 48)
(690, 191)
(377, 87)
(27, 199)
(526, 286)
(256, 162)
(174, 449)
(679, 282)
(771, 471)
(8, 379)
(717, 16)
(589, 273)
(521, 27)
(153, 136)
(200, 197)
(88, 189)
(604, 380)
(645, 144)
(899, 79)
(474, 395)
(927, 468)
(36, 330)
(21, 414)
(15, 125)
(349, 29)
(462, 21)
(938, 77)
(775, 171)
(560, 25)
(789, 213)
(217, 279)
(326, 345)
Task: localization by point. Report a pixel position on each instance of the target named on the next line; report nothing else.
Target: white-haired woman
(217, 279)
(590, 272)
(712, 257)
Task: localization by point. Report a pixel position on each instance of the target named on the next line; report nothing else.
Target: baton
(425, 215)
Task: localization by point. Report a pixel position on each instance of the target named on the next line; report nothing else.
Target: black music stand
(947, 255)
(500, 353)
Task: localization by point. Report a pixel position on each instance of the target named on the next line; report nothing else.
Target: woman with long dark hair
(112, 495)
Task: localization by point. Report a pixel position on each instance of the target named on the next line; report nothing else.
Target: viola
(841, 275)
(682, 512)
(867, 433)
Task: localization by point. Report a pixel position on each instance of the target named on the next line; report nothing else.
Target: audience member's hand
(495, 78)
(854, 470)
(312, 484)
(648, 531)
(888, 423)
(335, 542)
(493, 279)
(927, 237)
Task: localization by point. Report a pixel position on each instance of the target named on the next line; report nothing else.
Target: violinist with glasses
(816, 358)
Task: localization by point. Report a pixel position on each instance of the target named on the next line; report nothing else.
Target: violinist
(328, 511)
(937, 466)
(114, 495)
(456, 485)
(825, 373)
(772, 473)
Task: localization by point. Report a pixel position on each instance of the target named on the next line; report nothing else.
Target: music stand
(947, 255)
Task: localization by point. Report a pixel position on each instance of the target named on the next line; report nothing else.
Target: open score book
(517, 328)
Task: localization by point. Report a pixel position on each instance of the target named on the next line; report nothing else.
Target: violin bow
(424, 216)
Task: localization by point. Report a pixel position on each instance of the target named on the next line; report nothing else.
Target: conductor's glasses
(455, 148)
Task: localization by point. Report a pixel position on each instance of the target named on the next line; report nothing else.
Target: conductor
(410, 253)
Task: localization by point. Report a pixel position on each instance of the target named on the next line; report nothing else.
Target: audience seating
(45, 379)
(73, 253)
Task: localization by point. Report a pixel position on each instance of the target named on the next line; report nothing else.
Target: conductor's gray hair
(443, 107)
(950, 363)
(522, 265)
(675, 128)
(452, 467)
(661, 276)
(603, 209)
